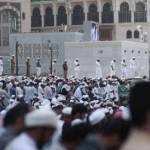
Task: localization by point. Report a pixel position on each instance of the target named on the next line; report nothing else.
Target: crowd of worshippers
(50, 113)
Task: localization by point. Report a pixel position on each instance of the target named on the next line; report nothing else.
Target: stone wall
(88, 52)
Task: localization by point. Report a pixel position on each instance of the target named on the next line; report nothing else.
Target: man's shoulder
(22, 142)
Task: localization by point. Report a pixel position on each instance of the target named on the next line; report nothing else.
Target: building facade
(14, 17)
(118, 19)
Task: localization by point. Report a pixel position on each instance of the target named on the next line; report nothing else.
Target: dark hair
(76, 133)
(139, 103)
(78, 108)
(14, 113)
(115, 126)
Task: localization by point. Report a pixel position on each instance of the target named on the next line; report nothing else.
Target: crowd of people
(53, 113)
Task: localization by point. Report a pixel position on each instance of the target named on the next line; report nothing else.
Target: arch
(136, 34)
(49, 17)
(124, 7)
(129, 34)
(140, 12)
(10, 8)
(107, 14)
(77, 15)
(9, 23)
(93, 13)
(124, 13)
(107, 7)
(62, 16)
(36, 17)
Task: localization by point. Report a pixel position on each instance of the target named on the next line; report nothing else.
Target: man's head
(15, 117)
(41, 124)
(139, 103)
(79, 111)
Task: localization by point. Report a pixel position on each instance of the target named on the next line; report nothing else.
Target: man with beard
(40, 126)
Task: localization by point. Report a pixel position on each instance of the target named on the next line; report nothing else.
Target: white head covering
(41, 118)
(96, 116)
(67, 111)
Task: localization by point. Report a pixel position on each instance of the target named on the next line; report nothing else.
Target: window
(62, 16)
(124, 13)
(140, 14)
(136, 34)
(93, 13)
(49, 17)
(107, 14)
(129, 34)
(36, 17)
(9, 23)
(78, 15)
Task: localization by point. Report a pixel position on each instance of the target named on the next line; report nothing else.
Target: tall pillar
(148, 11)
(69, 12)
(99, 4)
(132, 10)
(42, 14)
(116, 11)
(85, 7)
(55, 14)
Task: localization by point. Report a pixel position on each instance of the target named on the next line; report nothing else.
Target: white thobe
(98, 71)
(40, 92)
(38, 71)
(133, 68)
(22, 142)
(123, 70)
(112, 68)
(48, 93)
(77, 69)
(78, 93)
(29, 93)
(19, 91)
(1, 67)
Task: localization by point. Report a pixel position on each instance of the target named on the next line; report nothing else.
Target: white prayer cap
(85, 96)
(67, 111)
(41, 118)
(76, 122)
(97, 116)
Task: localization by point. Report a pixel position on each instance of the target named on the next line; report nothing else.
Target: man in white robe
(133, 67)
(1, 66)
(98, 70)
(123, 69)
(76, 68)
(113, 67)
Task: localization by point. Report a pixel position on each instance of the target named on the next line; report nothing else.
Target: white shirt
(22, 142)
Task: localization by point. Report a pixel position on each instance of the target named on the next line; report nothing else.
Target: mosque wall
(89, 52)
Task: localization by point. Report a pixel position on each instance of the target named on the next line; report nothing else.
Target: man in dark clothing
(65, 69)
